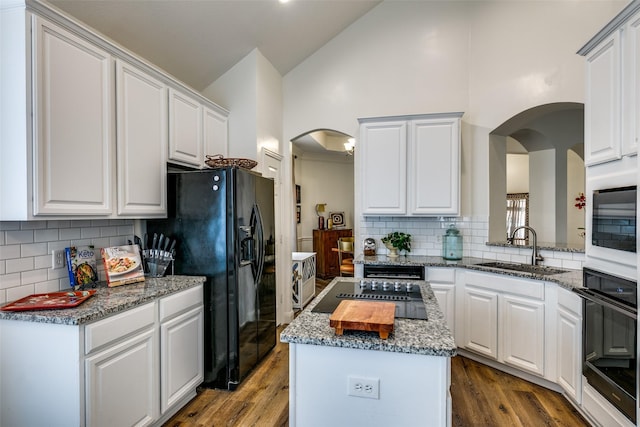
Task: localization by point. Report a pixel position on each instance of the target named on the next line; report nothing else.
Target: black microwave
(614, 219)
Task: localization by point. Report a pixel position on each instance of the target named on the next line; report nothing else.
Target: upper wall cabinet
(612, 104)
(73, 138)
(84, 124)
(141, 142)
(185, 129)
(195, 130)
(410, 165)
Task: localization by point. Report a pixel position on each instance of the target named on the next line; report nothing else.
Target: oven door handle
(607, 302)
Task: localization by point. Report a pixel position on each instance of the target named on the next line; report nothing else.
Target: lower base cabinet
(135, 368)
(505, 320)
(569, 344)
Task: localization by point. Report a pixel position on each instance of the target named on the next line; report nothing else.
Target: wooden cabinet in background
(327, 259)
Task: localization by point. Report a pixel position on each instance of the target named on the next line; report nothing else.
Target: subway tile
(102, 242)
(3, 296)
(59, 224)
(42, 261)
(20, 292)
(9, 280)
(9, 252)
(89, 232)
(69, 233)
(46, 287)
(21, 236)
(33, 225)
(33, 276)
(81, 223)
(54, 246)
(47, 235)
(18, 265)
(108, 231)
(33, 249)
(9, 225)
(58, 273)
(3, 267)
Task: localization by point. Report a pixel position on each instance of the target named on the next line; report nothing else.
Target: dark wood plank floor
(482, 397)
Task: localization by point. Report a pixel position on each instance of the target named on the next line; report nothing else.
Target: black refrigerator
(223, 221)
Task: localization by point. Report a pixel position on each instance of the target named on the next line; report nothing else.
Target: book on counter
(122, 265)
(81, 265)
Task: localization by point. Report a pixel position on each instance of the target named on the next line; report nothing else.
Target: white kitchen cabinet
(612, 95)
(215, 132)
(631, 85)
(303, 286)
(89, 138)
(185, 129)
(504, 320)
(433, 164)
(73, 105)
(481, 321)
(523, 335)
(569, 343)
(141, 115)
(181, 346)
(410, 165)
(442, 281)
(121, 369)
(137, 367)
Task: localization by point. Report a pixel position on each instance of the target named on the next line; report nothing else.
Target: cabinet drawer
(507, 284)
(177, 303)
(119, 326)
(441, 275)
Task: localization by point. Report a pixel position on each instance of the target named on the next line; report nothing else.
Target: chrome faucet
(535, 256)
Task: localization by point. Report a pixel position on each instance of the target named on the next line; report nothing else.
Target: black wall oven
(614, 219)
(609, 338)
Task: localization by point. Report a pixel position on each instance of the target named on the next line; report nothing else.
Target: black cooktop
(405, 294)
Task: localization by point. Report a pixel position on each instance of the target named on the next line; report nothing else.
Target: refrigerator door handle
(260, 242)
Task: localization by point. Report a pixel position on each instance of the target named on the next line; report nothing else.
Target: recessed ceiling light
(284, 1)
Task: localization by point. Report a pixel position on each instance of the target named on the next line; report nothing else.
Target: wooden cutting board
(364, 316)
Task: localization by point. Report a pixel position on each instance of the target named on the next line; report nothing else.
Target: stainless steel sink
(524, 268)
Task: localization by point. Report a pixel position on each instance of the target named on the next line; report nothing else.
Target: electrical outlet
(57, 258)
(364, 387)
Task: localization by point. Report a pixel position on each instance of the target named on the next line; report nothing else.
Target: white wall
(517, 173)
(491, 60)
(323, 181)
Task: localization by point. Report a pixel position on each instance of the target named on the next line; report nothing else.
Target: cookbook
(81, 265)
(122, 265)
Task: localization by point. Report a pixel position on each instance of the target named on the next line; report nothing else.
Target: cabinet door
(122, 383)
(569, 342)
(631, 85)
(434, 166)
(215, 132)
(141, 143)
(602, 105)
(445, 294)
(382, 159)
(522, 326)
(181, 356)
(73, 109)
(185, 129)
(481, 322)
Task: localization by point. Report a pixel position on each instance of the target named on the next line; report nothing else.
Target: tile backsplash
(426, 239)
(26, 246)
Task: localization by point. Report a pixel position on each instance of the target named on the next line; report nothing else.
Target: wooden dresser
(327, 260)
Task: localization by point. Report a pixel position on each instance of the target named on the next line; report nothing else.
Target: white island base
(413, 388)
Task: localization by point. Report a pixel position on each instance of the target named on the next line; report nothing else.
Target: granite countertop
(107, 301)
(569, 279)
(428, 337)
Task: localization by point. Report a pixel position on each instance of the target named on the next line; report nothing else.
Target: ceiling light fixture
(350, 146)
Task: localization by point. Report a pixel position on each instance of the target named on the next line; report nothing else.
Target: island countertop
(427, 337)
(107, 301)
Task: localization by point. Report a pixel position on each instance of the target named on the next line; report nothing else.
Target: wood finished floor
(482, 397)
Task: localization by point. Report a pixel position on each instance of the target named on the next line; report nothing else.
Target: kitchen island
(129, 355)
(404, 380)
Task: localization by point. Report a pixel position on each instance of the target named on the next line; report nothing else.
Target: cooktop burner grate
(377, 297)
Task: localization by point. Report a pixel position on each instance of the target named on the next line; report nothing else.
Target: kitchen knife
(172, 250)
(159, 247)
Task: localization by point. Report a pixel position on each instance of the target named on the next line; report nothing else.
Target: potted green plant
(397, 241)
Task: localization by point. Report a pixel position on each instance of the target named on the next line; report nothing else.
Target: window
(518, 215)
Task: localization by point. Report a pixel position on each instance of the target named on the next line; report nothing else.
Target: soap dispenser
(452, 244)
